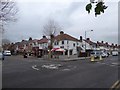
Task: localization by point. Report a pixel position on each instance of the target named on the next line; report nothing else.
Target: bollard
(92, 59)
(100, 57)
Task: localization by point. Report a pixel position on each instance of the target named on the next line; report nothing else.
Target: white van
(114, 53)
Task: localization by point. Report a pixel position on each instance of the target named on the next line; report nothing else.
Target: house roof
(90, 42)
(101, 44)
(65, 37)
(43, 40)
(31, 41)
(104, 44)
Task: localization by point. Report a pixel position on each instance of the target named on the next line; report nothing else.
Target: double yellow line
(116, 85)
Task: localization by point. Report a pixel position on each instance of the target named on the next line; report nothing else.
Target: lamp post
(85, 40)
(68, 49)
(1, 34)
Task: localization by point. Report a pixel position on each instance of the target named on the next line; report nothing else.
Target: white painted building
(68, 43)
(43, 43)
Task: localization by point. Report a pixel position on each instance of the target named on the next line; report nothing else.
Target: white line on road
(66, 69)
(34, 67)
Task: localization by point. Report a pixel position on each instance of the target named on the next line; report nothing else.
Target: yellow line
(115, 84)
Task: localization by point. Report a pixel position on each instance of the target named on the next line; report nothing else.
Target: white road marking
(66, 69)
(34, 67)
(112, 64)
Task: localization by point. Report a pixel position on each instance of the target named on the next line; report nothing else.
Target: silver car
(96, 54)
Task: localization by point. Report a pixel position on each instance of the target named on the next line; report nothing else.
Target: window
(73, 44)
(82, 46)
(67, 42)
(56, 43)
(61, 46)
(77, 43)
(62, 42)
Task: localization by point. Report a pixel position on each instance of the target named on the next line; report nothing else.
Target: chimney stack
(106, 43)
(61, 32)
(97, 42)
(88, 39)
(44, 36)
(80, 38)
(112, 44)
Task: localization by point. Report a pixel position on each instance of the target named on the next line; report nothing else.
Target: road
(32, 73)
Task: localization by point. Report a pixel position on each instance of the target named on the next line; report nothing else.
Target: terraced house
(66, 42)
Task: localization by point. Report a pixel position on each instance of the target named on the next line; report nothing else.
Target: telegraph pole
(1, 33)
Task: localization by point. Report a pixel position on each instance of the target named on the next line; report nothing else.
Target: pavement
(64, 59)
(57, 59)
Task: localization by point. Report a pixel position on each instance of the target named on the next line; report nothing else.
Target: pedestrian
(25, 54)
(3, 57)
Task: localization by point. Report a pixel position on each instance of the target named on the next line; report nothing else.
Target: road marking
(103, 63)
(112, 65)
(34, 67)
(115, 84)
(66, 69)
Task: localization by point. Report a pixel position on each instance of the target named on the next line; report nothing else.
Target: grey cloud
(71, 16)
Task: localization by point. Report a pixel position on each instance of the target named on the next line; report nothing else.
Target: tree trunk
(51, 46)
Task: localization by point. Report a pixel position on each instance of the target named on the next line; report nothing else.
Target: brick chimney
(61, 32)
(44, 36)
(97, 42)
(106, 43)
(88, 39)
(112, 44)
(102, 42)
(80, 38)
(23, 40)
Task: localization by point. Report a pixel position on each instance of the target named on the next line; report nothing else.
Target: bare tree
(5, 41)
(50, 29)
(8, 10)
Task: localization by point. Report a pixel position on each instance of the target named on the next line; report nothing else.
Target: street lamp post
(68, 49)
(1, 33)
(85, 41)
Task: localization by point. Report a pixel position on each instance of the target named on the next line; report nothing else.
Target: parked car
(96, 53)
(7, 53)
(1, 56)
(114, 53)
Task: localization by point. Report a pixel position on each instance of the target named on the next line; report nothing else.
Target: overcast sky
(70, 14)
